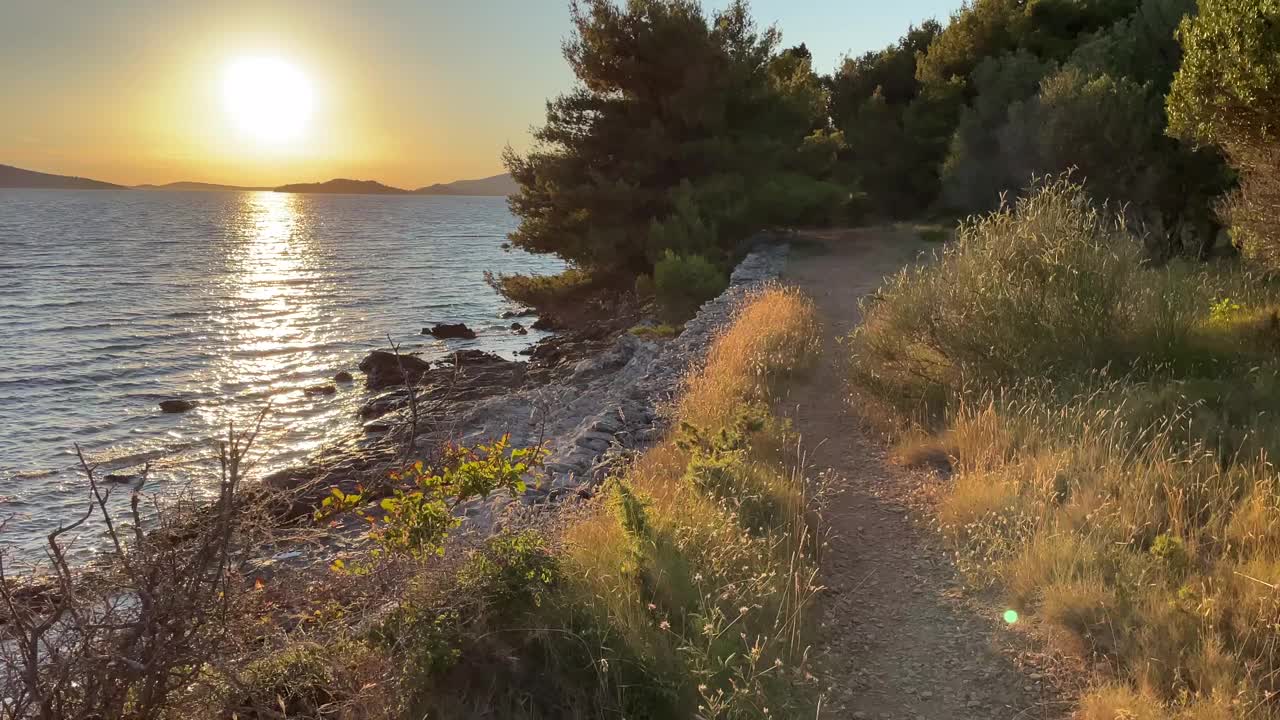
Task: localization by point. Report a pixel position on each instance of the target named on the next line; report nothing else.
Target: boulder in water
(447, 331)
(176, 405)
(383, 369)
(323, 389)
(343, 377)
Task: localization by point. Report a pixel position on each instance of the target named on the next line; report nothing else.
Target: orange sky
(408, 92)
(132, 92)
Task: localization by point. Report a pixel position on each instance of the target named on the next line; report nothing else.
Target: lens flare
(1011, 616)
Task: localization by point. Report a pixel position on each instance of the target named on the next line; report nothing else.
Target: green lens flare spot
(1011, 616)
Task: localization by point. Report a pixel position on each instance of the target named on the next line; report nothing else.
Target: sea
(113, 300)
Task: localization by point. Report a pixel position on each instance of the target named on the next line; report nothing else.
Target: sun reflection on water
(271, 316)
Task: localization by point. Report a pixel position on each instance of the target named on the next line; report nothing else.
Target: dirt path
(900, 642)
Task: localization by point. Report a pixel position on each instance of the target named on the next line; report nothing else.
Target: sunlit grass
(711, 607)
(1109, 429)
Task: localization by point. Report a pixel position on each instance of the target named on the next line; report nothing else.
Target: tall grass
(681, 592)
(1110, 427)
(702, 563)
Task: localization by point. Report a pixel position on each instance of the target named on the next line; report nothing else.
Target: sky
(408, 92)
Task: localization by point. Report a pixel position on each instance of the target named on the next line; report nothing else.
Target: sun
(268, 98)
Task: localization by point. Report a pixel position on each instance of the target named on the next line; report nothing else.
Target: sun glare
(268, 99)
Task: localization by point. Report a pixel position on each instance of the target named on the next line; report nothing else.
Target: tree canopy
(684, 133)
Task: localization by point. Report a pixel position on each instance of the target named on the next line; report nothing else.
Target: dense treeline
(1010, 90)
(683, 134)
(687, 132)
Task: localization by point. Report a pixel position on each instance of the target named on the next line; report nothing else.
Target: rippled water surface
(114, 300)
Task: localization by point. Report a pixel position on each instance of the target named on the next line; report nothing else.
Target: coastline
(592, 395)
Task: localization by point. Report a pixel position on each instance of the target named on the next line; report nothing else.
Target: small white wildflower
(652, 606)
(664, 625)
(743, 610)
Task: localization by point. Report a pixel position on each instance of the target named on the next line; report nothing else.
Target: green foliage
(1227, 94)
(1009, 91)
(719, 465)
(417, 519)
(1112, 467)
(1003, 301)
(677, 120)
(656, 331)
(987, 155)
(305, 678)
(513, 570)
(542, 290)
(1222, 311)
(1227, 90)
(682, 283)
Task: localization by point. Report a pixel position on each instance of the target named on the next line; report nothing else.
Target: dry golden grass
(706, 607)
(774, 333)
(1109, 427)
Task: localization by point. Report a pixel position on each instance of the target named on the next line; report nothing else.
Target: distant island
(199, 187)
(12, 177)
(343, 186)
(496, 185)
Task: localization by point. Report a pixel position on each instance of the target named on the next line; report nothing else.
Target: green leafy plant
(656, 331)
(417, 520)
(684, 282)
(1223, 310)
(512, 570)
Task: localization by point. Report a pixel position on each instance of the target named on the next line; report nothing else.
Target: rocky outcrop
(463, 376)
(384, 369)
(450, 331)
(176, 405)
(591, 396)
(609, 403)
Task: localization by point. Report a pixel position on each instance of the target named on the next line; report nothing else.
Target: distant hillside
(496, 185)
(342, 185)
(12, 177)
(198, 186)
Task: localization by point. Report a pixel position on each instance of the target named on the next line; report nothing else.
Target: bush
(513, 570)
(1227, 94)
(1109, 430)
(1029, 290)
(540, 291)
(682, 283)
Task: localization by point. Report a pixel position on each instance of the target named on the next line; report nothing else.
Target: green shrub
(540, 291)
(512, 571)
(1227, 94)
(313, 678)
(656, 331)
(1110, 426)
(1029, 290)
(683, 282)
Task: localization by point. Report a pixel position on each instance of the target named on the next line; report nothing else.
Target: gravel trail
(900, 639)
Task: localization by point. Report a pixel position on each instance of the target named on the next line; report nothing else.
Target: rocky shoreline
(592, 396)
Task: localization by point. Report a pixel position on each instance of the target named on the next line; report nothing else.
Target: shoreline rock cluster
(611, 403)
(592, 397)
